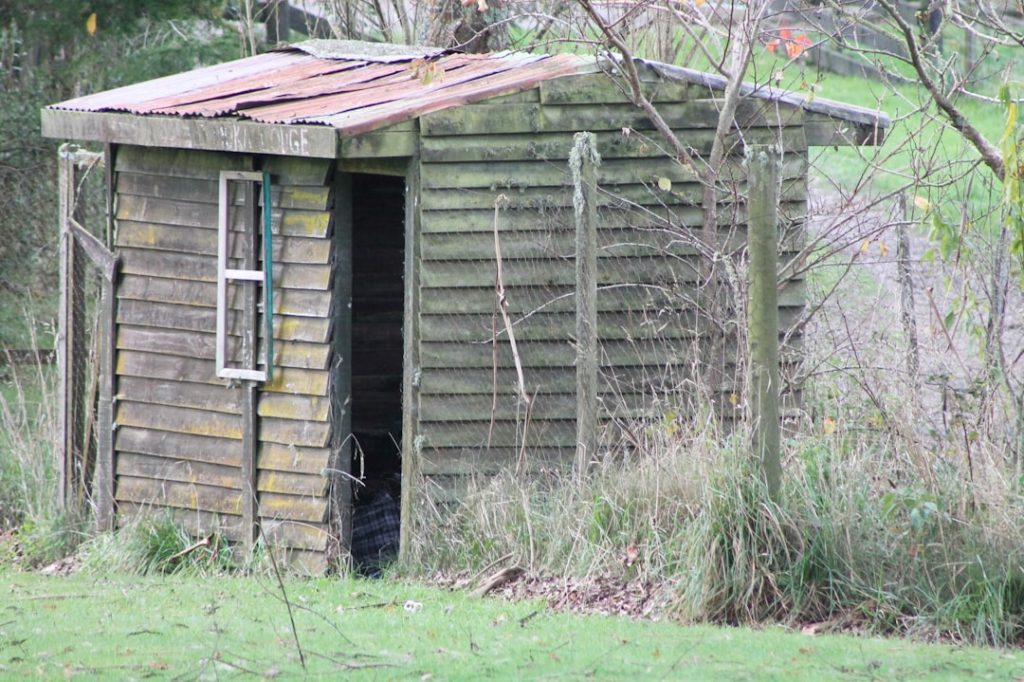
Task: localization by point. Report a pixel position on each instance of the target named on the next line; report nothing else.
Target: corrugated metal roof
(358, 87)
(353, 88)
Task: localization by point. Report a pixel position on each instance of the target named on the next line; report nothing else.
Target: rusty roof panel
(325, 81)
(128, 97)
(352, 87)
(358, 121)
(299, 72)
(402, 91)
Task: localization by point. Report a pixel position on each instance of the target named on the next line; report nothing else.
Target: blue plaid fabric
(375, 533)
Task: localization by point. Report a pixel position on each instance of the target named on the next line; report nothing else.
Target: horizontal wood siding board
(296, 170)
(288, 460)
(293, 302)
(555, 272)
(290, 222)
(512, 175)
(178, 420)
(612, 379)
(300, 407)
(667, 325)
(444, 356)
(200, 422)
(178, 163)
(474, 434)
(288, 483)
(293, 507)
(601, 88)
(228, 134)
(560, 219)
(179, 470)
(541, 380)
(611, 298)
(194, 496)
(612, 144)
(190, 496)
(611, 243)
(311, 537)
(292, 459)
(558, 198)
(537, 118)
(190, 471)
(223, 398)
(380, 145)
(310, 434)
(307, 536)
(200, 268)
(197, 523)
(192, 318)
(182, 446)
(295, 354)
(476, 461)
(206, 192)
(286, 380)
(647, 270)
(203, 242)
(546, 407)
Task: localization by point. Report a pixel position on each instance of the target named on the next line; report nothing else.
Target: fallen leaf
(90, 24)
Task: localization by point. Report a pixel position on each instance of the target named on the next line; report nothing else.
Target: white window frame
(226, 275)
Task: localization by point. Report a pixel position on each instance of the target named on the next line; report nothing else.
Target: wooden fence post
(764, 167)
(906, 282)
(584, 161)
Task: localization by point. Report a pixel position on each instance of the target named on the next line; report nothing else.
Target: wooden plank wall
(178, 438)
(647, 329)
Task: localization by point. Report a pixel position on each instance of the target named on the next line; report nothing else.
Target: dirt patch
(600, 595)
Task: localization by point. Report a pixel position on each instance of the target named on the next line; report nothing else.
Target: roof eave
(851, 124)
(213, 134)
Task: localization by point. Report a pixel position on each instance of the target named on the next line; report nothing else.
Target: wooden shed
(350, 189)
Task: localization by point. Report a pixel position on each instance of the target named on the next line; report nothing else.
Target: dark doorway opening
(378, 263)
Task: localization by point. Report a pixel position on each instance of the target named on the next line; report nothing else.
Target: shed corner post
(70, 345)
(341, 366)
(411, 443)
(107, 329)
(584, 161)
(764, 168)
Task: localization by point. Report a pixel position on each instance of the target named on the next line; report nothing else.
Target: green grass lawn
(86, 626)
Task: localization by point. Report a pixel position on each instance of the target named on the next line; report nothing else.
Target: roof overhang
(827, 122)
(214, 134)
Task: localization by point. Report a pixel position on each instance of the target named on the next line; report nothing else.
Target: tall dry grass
(867, 534)
(29, 492)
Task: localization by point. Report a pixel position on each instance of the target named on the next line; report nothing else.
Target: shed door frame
(409, 168)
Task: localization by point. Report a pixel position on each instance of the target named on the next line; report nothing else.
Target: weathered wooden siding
(179, 439)
(647, 272)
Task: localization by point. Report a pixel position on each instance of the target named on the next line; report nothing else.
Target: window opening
(254, 277)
